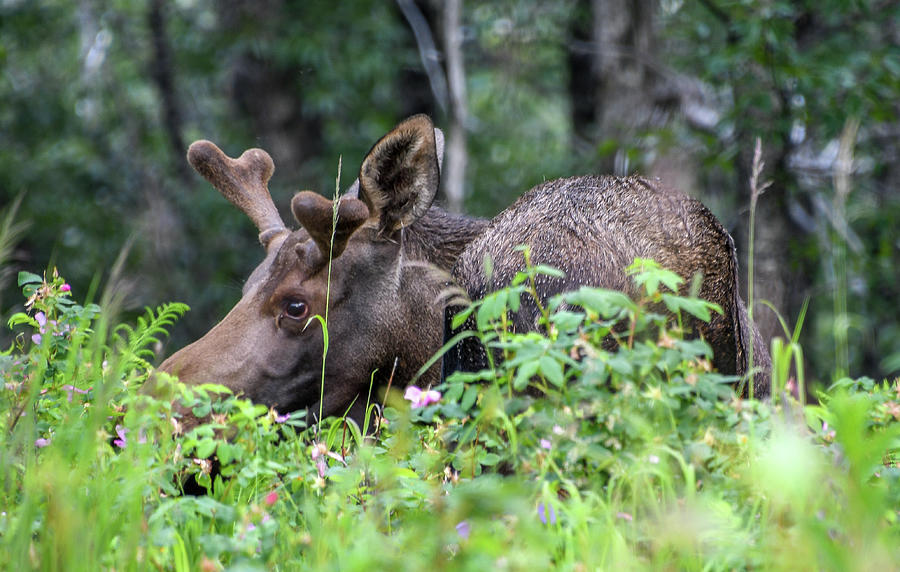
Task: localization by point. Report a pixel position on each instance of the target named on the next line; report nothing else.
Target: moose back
(391, 253)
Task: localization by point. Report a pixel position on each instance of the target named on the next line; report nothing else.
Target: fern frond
(149, 328)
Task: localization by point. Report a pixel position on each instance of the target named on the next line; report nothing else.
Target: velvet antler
(316, 214)
(244, 182)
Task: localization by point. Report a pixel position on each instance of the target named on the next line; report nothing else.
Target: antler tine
(243, 181)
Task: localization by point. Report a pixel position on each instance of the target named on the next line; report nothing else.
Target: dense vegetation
(563, 454)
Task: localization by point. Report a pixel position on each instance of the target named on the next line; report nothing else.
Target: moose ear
(439, 148)
(353, 190)
(400, 175)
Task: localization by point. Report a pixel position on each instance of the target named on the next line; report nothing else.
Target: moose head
(364, 266)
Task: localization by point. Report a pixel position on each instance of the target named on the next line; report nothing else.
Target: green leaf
(202, 410)
(695, 347)
(696, 307)
(29, 278)
(567, 321)
(492, 307)
(524, 374)
(489, 459)
(405, 473)
(225, 453)
(22, 318)
(649, 274)
(454, 391)
(179, 555)
(552, 370)
(461, 317)
(606, 303)
(205, 448)
(513, 300)
(549, 271)
(469, 398)
(620, 364)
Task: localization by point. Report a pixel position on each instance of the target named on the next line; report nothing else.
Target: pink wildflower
(41, 319)
(39, 443)
(420, 398)
(65, 288)
(121, 441)
(71, 388)
(271, 498)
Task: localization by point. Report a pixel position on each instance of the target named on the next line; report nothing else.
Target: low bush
(603, 441)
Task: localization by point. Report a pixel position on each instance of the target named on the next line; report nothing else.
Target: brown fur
(390, 266)
(592, 228)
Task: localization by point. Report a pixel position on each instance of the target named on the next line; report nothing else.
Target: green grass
(563, 455)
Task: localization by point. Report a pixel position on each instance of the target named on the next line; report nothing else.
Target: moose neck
(439, 237)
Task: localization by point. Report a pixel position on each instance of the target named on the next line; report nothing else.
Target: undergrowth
(563, 454)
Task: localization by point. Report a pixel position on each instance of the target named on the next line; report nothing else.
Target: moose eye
(295, 309)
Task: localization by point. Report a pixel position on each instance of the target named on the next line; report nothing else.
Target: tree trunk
(454, 175)
(163, 74)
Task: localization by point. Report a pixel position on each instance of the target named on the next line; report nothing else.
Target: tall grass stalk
(11, 231)
(788, 355)
(843, 169)
(757, 188)
(324, 322)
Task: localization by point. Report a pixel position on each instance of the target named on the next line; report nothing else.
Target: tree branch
(427, 50)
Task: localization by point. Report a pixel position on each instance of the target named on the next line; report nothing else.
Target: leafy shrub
(603, 441)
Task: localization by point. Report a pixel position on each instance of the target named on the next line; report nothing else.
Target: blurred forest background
(100, 99)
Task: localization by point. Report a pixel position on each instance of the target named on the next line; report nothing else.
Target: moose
(592, 228)
(376, 263)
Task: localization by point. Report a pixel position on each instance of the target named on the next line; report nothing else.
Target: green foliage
(796, 75)
(617, 449)
(85, 141)
(638, 457)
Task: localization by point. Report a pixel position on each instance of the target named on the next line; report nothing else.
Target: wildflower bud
(666, 341)
(205, 465)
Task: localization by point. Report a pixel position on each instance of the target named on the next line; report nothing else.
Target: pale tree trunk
(454, 174)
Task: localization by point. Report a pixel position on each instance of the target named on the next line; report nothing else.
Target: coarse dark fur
(592, 228)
